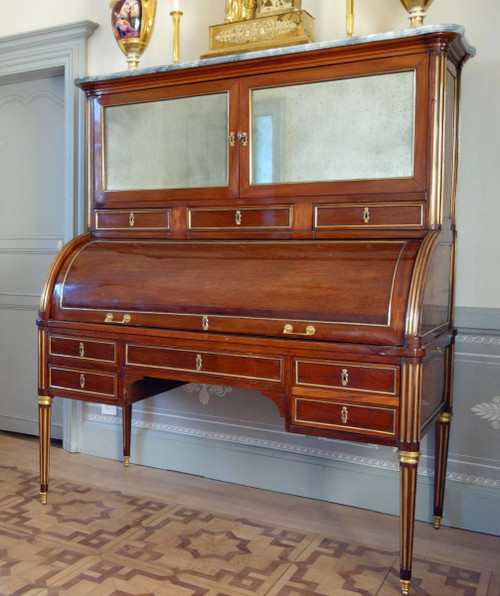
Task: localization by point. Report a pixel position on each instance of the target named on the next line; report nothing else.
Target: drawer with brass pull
(348, 417)
(261, 218)
(349, 376)
(82, 349)
(249, 367)
(140, 220)
(88, 383)
(390, 215)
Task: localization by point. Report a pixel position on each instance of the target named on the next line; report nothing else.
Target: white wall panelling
(42, 198)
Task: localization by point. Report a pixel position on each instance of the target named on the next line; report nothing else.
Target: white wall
(478, 282)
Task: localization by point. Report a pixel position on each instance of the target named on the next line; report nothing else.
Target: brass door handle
(110, 319)
(288, 330)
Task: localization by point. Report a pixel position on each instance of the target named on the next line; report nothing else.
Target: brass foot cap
(405, 587)
(43, 496)
(126, 460)
(437, 522)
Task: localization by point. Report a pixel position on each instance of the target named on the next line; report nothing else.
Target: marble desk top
(288, 50)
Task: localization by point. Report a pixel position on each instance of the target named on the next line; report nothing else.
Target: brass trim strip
(403, 244)
(79, 390)
(136, 213)
(198, 359)
(239, 226)
(348, 365)
(85, 341)
(327, 78)
(343, 426)
(364, 224)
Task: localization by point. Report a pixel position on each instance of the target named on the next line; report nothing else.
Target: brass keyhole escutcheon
(366, 215)
(204, 323)
(199, 362)
(81, 349)
(344, 377)
(237, 217)
(131, 219)
(82, 381)
(243, 137)
(232, 139)
(344, 415)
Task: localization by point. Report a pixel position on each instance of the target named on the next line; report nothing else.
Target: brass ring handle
(288, 330)
(110, 319)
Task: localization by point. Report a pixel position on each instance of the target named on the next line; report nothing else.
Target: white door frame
(47, 52)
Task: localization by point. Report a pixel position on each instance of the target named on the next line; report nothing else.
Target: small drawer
(348, 417)
(349, 376)
(263, 218)
(82, 349)
(357, 216)
(83, 382)
(140, 220)
(259, 368)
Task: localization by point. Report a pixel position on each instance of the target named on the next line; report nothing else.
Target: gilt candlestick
(176, 20)
(350, 18)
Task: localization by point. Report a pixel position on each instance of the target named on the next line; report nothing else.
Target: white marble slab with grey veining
(289, 50)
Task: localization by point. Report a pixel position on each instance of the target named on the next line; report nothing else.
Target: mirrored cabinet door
(150, 149)
(366, 130)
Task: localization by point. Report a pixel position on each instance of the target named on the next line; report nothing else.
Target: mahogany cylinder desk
(282, 221)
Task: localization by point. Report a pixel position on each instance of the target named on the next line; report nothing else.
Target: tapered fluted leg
(127, 431)
(408, 464)
(44, 415)
(441, 458)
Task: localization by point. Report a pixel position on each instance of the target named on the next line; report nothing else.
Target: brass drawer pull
(344, 377)
(288, 330)
(82, 381)
(344, 415)
(81, 349)
(199, 362)
(237, 217)
(110, 319)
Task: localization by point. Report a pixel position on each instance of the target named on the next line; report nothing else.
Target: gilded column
(409, 455)
(408, 465)
(44, 416)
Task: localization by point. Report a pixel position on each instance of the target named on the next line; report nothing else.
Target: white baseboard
(467, 506)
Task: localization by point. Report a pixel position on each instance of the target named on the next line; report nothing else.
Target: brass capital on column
(409, 457)
(45, 400)
(445, 417)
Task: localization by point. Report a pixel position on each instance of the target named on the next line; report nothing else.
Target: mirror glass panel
(172, 143)
(347, 129)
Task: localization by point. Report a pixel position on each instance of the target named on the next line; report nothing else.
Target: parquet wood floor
(112, 531)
